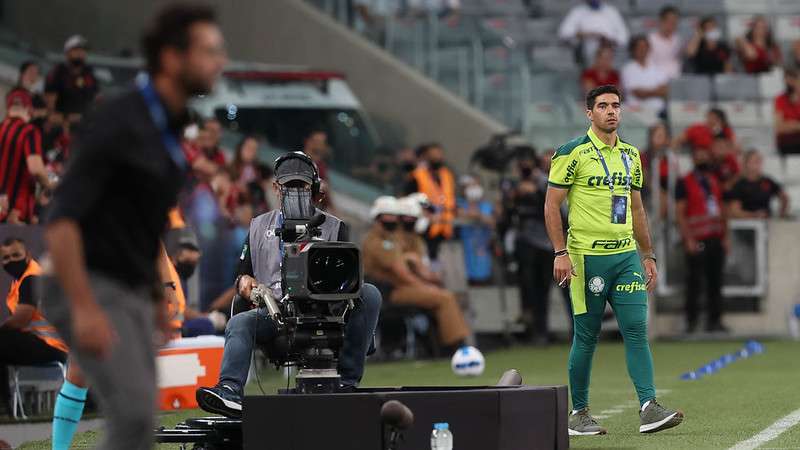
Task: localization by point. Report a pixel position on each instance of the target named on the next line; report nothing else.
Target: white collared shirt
(605, 20)
(636, 76)
(665, 53)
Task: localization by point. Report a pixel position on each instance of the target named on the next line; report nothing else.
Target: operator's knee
(371, 299)
(242, 322)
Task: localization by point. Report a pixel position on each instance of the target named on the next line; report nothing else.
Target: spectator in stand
(249, 173)
(21, 162)
(71, 85)
(202, 167)
(787, 115)
(436, 181)
(703, 226)
(209, 141)
(665, 43)
(725, 162)
(373, 16)
(316, 146)
(591, 25)
(752, 195)
(602, 72)
(655, 158)
(476, 230)
(29, 79)
(702, 134)
(757, 49)
(707, 52)
(645, 84)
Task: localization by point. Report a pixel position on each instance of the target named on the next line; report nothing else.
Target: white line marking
(601, 416)
(770, 433)
(611, 411)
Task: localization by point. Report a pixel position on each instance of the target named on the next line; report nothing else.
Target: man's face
(214, 129)
(605, 58)
(754, 164)
(12, 253)
(669, 23)
(606, 113)
(317, 144)
(30, 76)
(701, 158)
(435, 154)
(201, 64)
(641, 50)
(76, 56)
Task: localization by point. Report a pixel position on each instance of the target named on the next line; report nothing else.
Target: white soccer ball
(468, 362)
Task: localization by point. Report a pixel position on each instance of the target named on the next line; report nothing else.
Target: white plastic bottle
(441, 437)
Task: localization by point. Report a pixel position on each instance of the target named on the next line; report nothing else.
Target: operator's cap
(409, 206)
(75, 41)
(294, 169)
(385, 204)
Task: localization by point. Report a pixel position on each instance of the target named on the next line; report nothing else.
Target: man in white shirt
(591, 24)
(665, 43)
(645, 84)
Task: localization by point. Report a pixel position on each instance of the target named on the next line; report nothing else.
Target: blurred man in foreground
(110, 211)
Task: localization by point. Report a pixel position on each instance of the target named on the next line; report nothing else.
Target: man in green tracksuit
(601, 176)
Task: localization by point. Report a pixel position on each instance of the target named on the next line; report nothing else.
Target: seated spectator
(707, 52)
(665, 43)
(29, 78)
(590, 25)
(602, 72)
(246, 168)
(644, 83)
(71, 85)
(386, 266)
(725, 162)
(28, 339)
(752, 195)
(757, 49)
(476, 215)
(209, 142)
(655, 158)
(787, 115)
(702, 134)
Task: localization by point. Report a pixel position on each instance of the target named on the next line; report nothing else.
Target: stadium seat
(746, 7)
(767, 110)
(760, 138)
(686, 112)
(787, 28)
(509, 31)
(736, 87)
(544, 113)
(780, 7)
(771, 85)
(473, 7)
(701, 7)
(512, 8)
(651, 7)
(792, 169)
(742, 113)
(773, 166)
(696, 88)
(541, 30)
(555, 8)
(42, 382)
(554, 58)
(643, 24)
(460, 32)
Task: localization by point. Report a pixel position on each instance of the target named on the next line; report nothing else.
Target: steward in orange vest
(437, 182)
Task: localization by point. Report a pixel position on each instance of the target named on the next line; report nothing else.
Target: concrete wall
(405, 106)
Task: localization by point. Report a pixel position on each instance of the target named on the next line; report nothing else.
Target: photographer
(297, 180)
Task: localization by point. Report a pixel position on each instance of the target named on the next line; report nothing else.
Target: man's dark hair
(423, 149)
(666, 10)
(600, 90)
(707, 20)
(171, 29)
(720, 115)
(12, 240)
(635, 39)
(24, 66)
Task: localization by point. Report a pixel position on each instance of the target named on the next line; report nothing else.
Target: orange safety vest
(443, 197)
(176, 320)
(175, 218)
(38, 324)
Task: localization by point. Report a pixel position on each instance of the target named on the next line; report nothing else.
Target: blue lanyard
(159, 116)
(627, 180)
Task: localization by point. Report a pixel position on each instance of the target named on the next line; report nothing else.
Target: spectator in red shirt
(209, 140)
(725, 162)
(757, 49)
(787, 115)
(701, 135)
(71, 85)
(21, 164)
(602, 71)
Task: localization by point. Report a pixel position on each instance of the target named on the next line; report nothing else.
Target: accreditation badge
(619, 209)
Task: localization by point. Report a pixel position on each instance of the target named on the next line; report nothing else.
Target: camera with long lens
(320, 280)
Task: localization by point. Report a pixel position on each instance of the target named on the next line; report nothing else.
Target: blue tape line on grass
(750, 348)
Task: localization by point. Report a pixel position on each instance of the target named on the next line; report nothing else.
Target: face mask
(389, 226)
(185, 269)
(436, 165)
(408, 166)
(422, 225)
(474, 193)
(76, 62)
(296, 203)
(408, 225)
(526, 172)
(703, 167)
(714, 35)
(594, 4)
(16, 268)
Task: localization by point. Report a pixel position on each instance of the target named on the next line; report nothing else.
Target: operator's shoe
(581, 423)
(220, 399)
(657, 418)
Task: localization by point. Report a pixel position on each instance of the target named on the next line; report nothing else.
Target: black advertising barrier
(480, 418)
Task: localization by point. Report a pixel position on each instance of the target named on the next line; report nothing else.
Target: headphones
(315, 182)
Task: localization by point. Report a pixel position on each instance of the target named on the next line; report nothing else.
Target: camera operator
(296, 182)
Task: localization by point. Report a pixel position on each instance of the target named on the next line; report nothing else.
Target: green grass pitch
(721, 409)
